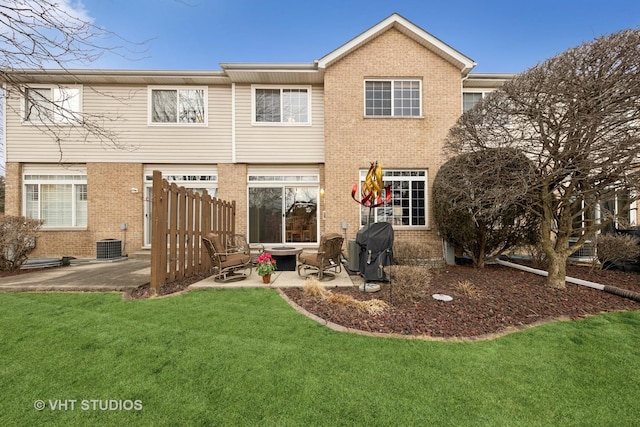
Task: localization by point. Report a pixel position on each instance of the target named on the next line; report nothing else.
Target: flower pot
(266, 278)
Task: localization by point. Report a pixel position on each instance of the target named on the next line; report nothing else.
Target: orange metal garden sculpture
(371, 194)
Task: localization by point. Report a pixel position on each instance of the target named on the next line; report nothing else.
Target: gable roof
(268, 73)
(409, 29)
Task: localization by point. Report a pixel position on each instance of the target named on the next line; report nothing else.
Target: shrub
(467, 289)
(480, 202)
(314, 289)
(412, 253)
(17, 240)
(613, 248)
(410, 282)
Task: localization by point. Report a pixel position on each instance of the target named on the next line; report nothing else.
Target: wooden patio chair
(231, 262)
(325, 263)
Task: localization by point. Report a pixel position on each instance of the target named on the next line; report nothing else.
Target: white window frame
(632, 215)
(191, 177)
(254, 120)
(150, 90)
(393, 83)
(265, 177)
(407, 175)
(483, 94)
(59, 94)
(78, 182)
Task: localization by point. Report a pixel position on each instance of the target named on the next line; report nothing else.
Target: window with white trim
(58, 200)
(470, 99)
(408, 206)
(192, 177)
(622, 207)
(393, 98)
(183, 106)
(52, 104)
(289, 105)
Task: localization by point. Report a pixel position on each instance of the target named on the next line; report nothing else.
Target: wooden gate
(180, 217)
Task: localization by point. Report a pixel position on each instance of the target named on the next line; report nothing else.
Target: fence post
(190, 231)
(199, 259)
(158, 235)
(205, 221)
(173, 231)
(182, 231)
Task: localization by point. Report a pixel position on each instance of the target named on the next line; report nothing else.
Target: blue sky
(501, 36)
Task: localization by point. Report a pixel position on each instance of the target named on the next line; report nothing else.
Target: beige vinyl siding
(278, 143)
(54, 169)
(284, 170)
(126, 108)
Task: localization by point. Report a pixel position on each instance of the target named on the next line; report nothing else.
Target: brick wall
(110, 203)
(13, 183)
(353, 141)
(232, 185)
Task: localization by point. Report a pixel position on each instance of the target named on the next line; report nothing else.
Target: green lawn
(244, 357)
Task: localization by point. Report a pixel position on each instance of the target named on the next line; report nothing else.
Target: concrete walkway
(82, 276)
(130, 273)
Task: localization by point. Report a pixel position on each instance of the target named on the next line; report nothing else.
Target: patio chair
(231, 262)
(325, 263)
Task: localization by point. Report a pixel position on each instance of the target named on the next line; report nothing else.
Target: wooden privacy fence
(179, 219)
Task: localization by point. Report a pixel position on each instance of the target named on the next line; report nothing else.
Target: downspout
(610, 289)
(3, 136)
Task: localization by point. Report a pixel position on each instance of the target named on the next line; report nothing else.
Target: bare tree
(480, 202)
(36, 35)
(577, 117)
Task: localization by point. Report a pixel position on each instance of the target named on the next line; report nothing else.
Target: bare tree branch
(577, 116)
(37, 35)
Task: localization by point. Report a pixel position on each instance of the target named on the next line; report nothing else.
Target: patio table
(285, 257)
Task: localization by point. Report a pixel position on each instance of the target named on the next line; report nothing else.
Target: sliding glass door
(283, 214)
(265, 215)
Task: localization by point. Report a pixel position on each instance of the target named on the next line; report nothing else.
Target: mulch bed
(144, 291)
(503, 298)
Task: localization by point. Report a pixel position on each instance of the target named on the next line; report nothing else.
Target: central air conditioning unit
(108, 249)
(587, 252)
(353, 252)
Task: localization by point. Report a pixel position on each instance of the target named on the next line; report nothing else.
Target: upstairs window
(286, 105)
(186, 106)
(52, 104)
(393, 98)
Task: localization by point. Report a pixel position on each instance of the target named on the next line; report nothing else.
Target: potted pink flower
(265, 266)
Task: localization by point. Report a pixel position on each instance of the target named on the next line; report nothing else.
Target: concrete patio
(280, 279)
(88, 275)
